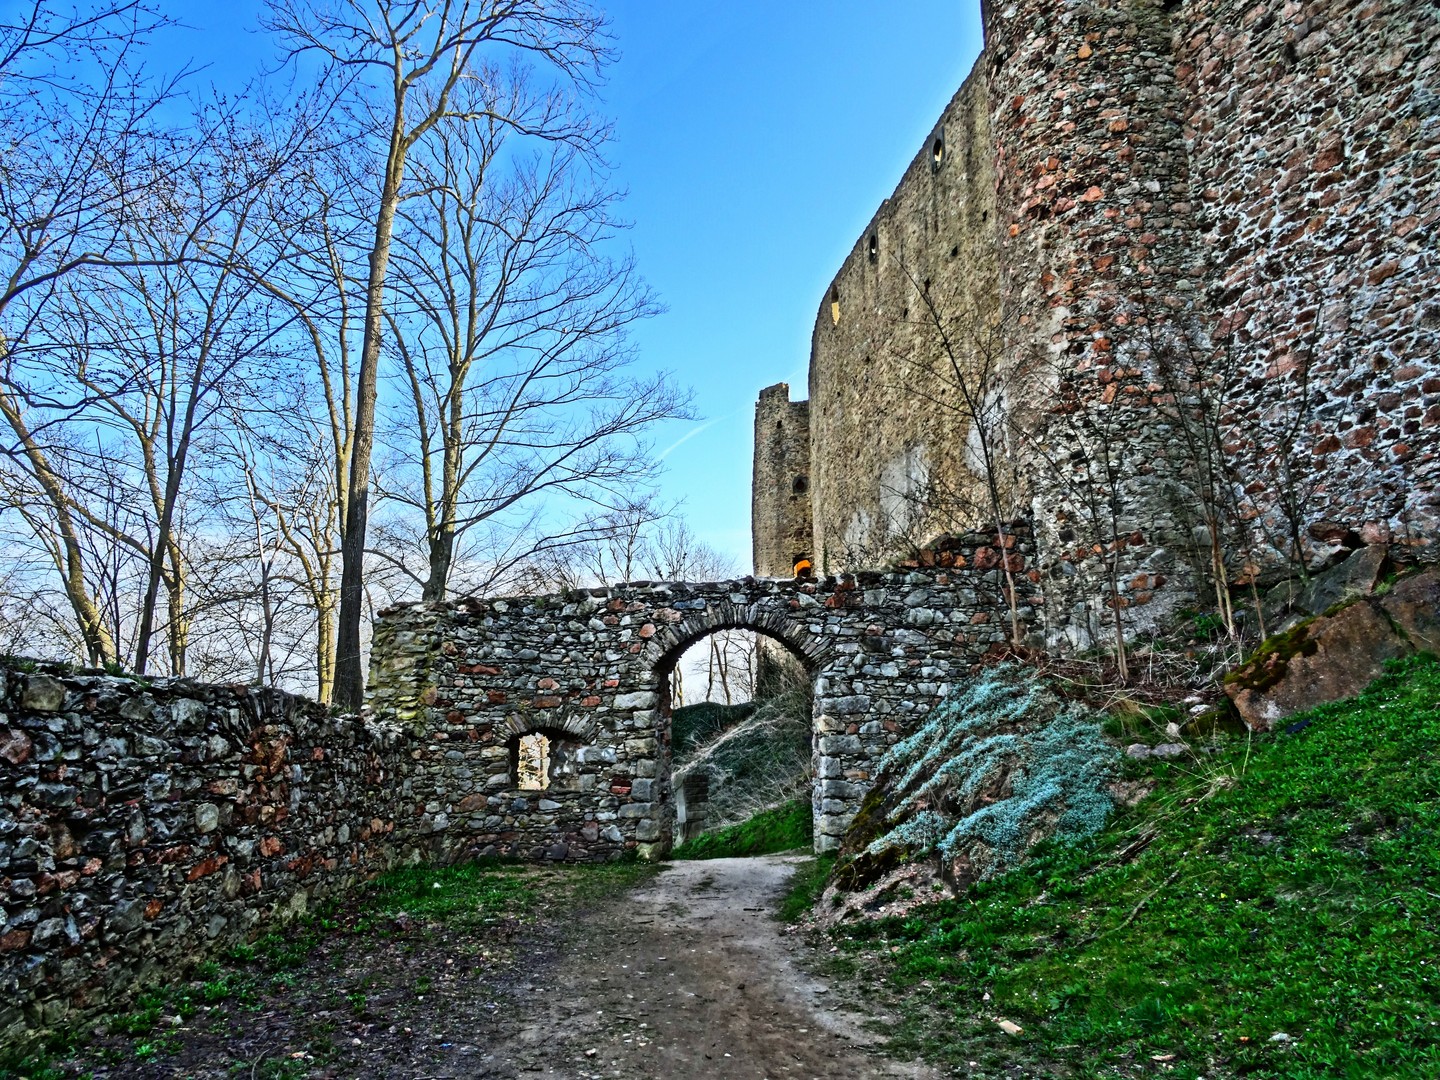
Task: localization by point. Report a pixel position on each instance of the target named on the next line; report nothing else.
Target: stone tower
(781, 524)
(1095, 241)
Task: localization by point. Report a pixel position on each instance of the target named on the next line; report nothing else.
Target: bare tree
(401, 64)
(510, 327)
(609, 547)
(78, 118)
(126, 371)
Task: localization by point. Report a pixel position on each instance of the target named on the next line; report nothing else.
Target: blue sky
(755, 140)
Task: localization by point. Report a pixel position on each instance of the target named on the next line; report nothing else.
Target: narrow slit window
(532, 762)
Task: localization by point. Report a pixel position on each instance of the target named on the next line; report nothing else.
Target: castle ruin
(1164, 279)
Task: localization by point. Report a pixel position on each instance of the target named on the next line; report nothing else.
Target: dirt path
(691, 978)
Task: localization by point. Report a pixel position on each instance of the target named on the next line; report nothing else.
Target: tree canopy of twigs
(272, 357)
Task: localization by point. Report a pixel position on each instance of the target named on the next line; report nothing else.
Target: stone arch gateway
(468, 675)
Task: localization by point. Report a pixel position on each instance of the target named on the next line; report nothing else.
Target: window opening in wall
(800, 486)
(874, 247)
(937, 151)
(955, 251)
(835, 304)
(532, 762)
(546, 761)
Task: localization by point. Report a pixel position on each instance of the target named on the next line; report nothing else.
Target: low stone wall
(144, 824)
(589, 670)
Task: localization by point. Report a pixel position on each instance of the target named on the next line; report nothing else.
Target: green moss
(1267, 664)
(869, 821)
(864, 869)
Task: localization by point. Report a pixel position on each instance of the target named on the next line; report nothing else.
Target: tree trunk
(442, 554)
(325, 650)
(1121, 660)
(349, 672)
(99, 645)
(179, 634)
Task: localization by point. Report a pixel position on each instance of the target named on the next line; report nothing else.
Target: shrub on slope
(996, 767)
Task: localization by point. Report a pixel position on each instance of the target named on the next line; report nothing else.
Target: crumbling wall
(146, 824)
(469, 676)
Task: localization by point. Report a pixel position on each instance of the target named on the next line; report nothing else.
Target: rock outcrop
(1337, 654)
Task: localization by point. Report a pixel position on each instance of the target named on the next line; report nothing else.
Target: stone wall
(1161, 216)
(145, 824)
(589, 670)
(887, 440)
(1313, 131)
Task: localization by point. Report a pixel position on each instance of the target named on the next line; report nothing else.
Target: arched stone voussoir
(664, 649)
(582, 727)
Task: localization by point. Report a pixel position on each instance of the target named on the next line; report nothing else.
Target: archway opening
(740, 709)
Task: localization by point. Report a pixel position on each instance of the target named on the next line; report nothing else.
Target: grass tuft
(805, 888)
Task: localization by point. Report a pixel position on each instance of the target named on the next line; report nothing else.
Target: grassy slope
(781, 828)
(1291, 887)
(757, 755)
(692, 726)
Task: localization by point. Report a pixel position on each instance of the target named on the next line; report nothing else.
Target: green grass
(1292, 886)
(805, 887)
(781, 828)
(460, 895)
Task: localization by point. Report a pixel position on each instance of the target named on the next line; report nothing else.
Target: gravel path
(691, 977)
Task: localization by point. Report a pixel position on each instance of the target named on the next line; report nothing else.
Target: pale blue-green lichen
(1044, 763)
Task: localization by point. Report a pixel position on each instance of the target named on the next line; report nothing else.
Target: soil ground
(687, 976)
(693, 977)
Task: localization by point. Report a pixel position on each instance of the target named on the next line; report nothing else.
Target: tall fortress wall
(1139, 221)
